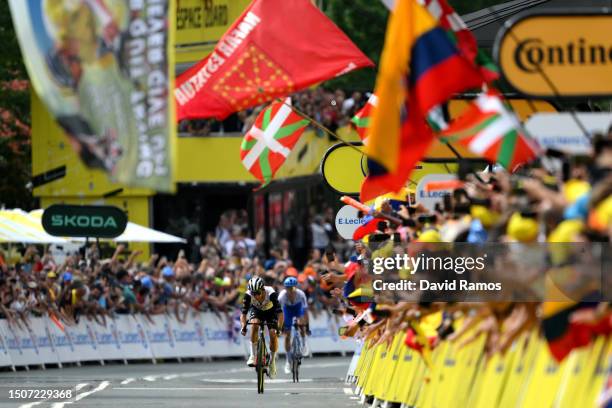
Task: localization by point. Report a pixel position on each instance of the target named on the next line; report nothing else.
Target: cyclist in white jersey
(261, 305)
(294, 304)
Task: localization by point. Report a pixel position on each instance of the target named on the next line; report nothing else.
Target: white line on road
(253, 380)
(150, 378)
(31, 404)
(237, 370)
(80, 386)
(348, 391)
(82, 395)
(127, 381)
(35, 403)
(220, 389)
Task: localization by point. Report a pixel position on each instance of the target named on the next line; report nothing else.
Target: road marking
(82, 395)
(220, 389)
(239, 370)
(150, 378)
(348, 391)
(127, 381)
(35, 403)
(253, 380)
(31, 404)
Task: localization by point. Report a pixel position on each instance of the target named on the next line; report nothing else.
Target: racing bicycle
(263, 356)
(295, 352)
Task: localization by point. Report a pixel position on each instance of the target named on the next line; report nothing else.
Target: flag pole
(320, 126)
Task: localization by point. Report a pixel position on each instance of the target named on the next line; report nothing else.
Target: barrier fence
(133, 337)
(526, 376)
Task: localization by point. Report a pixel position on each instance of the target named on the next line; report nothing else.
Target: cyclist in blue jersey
(294, 304)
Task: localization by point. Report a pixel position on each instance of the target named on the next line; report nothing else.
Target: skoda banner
(94, 221)
(104, 72)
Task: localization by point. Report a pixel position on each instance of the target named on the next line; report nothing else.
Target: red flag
(368, 228)
(276, 47)
(462, 37)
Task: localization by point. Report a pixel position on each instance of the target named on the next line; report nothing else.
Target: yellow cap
(484, 215)
(431, 235)
(521, 228)
(574, 189)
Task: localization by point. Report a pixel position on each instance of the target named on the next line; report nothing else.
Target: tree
(365, 22)
(15, 148)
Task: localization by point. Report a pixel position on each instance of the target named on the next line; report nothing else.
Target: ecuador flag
(420, 68)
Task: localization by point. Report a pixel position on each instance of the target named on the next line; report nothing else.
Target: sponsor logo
(115, 333)
(142, 335)
(92, 336)
(532, 53)
(199, 332)
(169, 334)
(83, 221)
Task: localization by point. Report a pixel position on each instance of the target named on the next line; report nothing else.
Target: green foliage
(15, 151)
(365, 22)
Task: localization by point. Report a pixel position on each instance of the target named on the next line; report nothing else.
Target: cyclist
(295, 304)
(261, 305)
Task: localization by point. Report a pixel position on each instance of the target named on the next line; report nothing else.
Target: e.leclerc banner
(275, 48)
(104, 71)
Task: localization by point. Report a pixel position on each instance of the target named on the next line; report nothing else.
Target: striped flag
(361, 120)
(459, 33)
(490, 130)
(268, 143)
(462, 37)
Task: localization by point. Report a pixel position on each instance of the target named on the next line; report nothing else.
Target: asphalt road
(201, 384)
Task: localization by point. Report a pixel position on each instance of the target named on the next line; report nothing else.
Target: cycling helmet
(290, 282)
(255, 284)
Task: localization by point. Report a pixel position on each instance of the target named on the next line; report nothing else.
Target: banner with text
(105, 73)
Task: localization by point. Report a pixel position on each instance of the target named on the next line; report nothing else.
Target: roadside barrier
(133, 337)
(526, 376)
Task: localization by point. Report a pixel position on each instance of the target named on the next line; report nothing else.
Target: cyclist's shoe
(273, 368)
(251, 361)
(287, 367)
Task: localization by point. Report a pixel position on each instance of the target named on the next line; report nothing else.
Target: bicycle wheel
(261, 365)
(295, 369)
(296, 355)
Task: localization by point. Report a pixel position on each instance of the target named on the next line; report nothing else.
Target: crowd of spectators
(557, 198)
(333, 109)
(212, 278)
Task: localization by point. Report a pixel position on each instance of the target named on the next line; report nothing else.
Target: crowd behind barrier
(453, 376)
(436, 352)
(132, 337)
(100, 282)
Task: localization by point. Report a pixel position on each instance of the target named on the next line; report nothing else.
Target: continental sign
(95, 221)
(557, 54)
